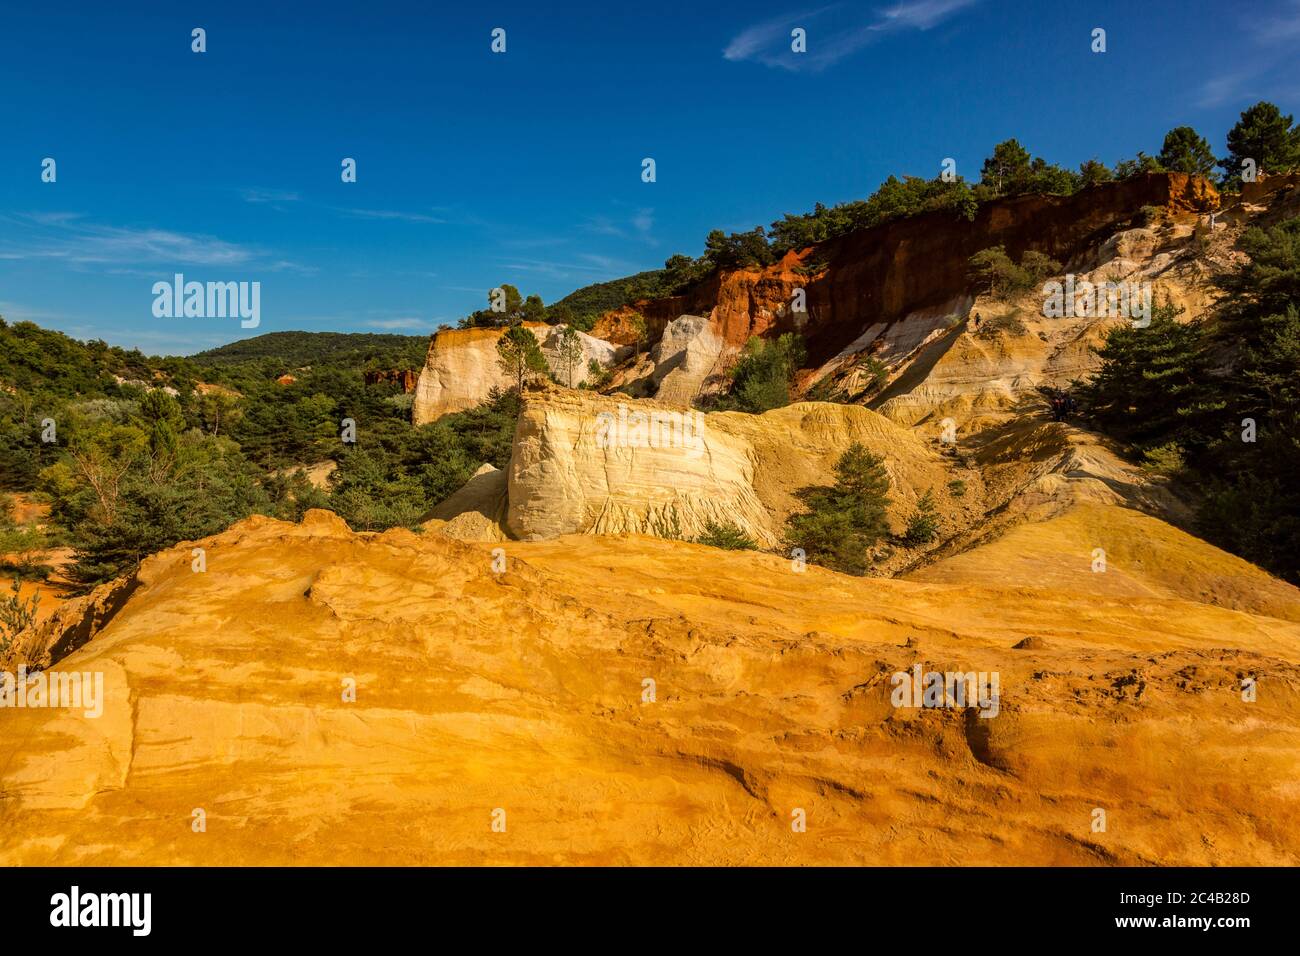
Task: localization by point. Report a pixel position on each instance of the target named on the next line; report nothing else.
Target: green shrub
(1038, 266)
(993, 271)
(812, 267)
(16, 615)
(923, 525)
(877, 372)
(597, 376)
(763, 377)
(1009, 324)
(828, 390)
(726, 535)
(667, 524)
(1166, 459)
(520, 356)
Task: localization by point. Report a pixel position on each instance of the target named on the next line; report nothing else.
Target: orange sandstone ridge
(525, 691)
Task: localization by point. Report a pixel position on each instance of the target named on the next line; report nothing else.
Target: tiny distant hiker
(976, 323)
(1058, 407)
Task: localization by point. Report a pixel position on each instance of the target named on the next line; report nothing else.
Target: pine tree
(570, 352)
(1007, 171)
(763, 377)
(1252, 505)
(1152, 386)
(1186, 151)
(1093, 172)
(637, 322)
(845, 520)
(1266, 285)
(1264, 135)
(923, 525)
(519, 355)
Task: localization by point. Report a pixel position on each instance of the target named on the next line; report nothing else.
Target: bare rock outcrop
(524, 689)
(675, 370)
(476, 511)
(591, 464)
(403, 378)
(462, 367)
(913, 265)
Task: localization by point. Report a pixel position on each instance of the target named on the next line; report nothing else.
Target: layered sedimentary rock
(881, 274)
(688, 353)
(327, 697)
(462, 367)
(1118, 554)
(990, 359)
(584, 463)
(889, 289)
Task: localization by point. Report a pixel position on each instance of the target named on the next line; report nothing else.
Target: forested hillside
(309, 348)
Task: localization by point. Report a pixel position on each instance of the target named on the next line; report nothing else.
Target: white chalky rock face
(603, 353)
(683, 358)
(462, 367)
(562, 480)
(593, 464)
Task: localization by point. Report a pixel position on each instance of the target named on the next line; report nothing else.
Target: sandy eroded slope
(523, 691)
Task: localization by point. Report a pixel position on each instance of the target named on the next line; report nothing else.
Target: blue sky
(476, 168)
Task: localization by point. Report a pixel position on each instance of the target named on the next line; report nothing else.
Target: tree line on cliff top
(1263, 134)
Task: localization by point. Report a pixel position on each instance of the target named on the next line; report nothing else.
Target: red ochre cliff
(883, 273)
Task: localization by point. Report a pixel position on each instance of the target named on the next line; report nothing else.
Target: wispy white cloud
(259, 195)
(53, 218)
(1220, 89)
(179, 341)
(20, 312)
(640, 225)
(759, 41)
(112, 245)
(390, 214)
(394, 324)
(644, 221)
(921, 14)
(834, 32)
(604, 226)
(279, 198)
(582, 268)
(1270, 69)
(66, 238)
(286, 265)
(1271, 28)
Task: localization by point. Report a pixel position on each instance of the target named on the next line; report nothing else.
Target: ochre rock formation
(883, 273)
(584, 463)
(403, 378)
(891, 289)
(475, 512)
(628, 700)
(459, 372)
(462, 367)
